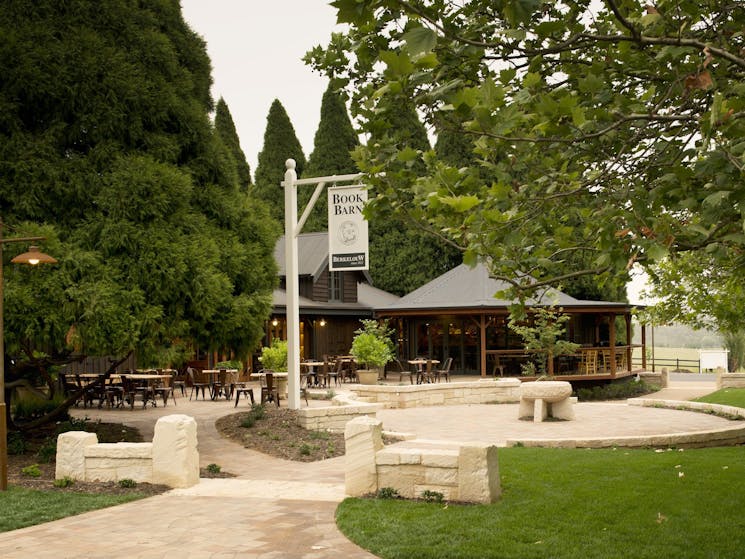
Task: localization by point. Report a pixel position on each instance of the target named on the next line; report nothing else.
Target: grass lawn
(726, 397)
(23, 507)
(570, 503)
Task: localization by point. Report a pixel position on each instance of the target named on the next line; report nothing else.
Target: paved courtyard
(281, 509)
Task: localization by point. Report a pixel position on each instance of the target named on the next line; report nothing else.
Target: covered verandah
(457, 315)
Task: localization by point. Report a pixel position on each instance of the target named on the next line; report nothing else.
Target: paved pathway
(274, 508)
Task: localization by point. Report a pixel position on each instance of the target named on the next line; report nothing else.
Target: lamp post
(32, 257)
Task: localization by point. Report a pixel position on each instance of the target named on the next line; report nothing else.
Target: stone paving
(281, 509)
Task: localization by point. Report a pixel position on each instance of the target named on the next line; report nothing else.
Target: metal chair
(197, 383)
(445, 371)
(269, 392)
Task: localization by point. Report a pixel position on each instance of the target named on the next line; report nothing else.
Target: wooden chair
(269, 392)
(197, 383)
(445, 371)
(589, 363)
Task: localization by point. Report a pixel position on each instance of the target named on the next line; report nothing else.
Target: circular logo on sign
(348, 232)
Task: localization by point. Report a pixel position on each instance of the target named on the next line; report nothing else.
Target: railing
(675, 364)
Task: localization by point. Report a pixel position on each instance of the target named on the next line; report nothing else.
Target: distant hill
(679, 335)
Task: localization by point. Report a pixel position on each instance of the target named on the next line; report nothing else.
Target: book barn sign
(348, 237)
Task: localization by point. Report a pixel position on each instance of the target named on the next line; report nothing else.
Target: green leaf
(532, 79)
(520, 11)
(461, 203)
(715, 199)
(420, 40)
(470, 258)
(399, 64)
(656, 252)
(407, 154)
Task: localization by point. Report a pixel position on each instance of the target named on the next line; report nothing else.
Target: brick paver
(280, 509)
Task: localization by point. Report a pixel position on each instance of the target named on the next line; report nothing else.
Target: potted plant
(372, 348)
(274, 358)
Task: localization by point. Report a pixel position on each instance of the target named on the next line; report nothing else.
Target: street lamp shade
(34, 256)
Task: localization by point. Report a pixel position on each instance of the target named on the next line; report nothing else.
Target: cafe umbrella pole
(33, 257)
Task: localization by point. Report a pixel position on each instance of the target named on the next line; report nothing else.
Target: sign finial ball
(290, 164)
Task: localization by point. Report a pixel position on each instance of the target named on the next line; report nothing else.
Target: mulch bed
(34, 453)
(279, 434)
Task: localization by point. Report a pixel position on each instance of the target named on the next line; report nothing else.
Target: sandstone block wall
(335, 417)
(465, 472)
(171, 459)
(485, 391)
(730, 380)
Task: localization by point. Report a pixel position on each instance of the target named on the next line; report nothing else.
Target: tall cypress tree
(225, 129)
(334, 140)
(397, 247)
(106, 148)
(280, 144)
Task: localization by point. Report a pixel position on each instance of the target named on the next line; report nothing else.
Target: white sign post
(348, 236)
(293, 226)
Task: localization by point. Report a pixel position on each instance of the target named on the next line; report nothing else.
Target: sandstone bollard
(175, 455)
(478, 473)
(362, 439)
(70, 461)
(664, 378)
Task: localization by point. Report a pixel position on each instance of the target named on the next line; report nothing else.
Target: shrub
(16, 443)
(305, 449)
(213, 468)
(63, 482)
(615, 391)
(127, 483)
(234, 364)
(30, 406)
(387, 493)
(31, 471)
(432, 496)
(47, 451)
(258, 411)
(248, 421)
(372, 345)
(274, 358)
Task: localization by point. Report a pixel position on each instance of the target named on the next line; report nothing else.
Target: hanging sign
(348, 238)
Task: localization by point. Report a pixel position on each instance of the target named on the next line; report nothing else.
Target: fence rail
(676, 364)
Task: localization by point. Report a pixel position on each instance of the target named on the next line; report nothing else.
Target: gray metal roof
(464, 287)
(312, 255)
(368, 298)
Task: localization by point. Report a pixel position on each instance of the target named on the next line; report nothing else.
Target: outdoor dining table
(148, 379)
(420, 365)
(231, 378)
(312, 369)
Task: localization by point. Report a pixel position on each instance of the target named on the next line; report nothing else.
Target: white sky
(256, 48)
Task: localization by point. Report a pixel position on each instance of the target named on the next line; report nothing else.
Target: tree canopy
(106, 149)
(611, 129)
(280, 144)
(332, 154)
(225, 129)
